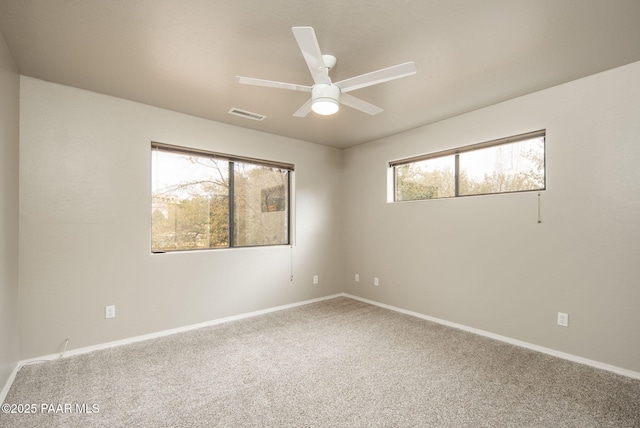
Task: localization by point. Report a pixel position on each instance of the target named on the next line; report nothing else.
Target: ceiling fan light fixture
(325, 106)
(326, 99)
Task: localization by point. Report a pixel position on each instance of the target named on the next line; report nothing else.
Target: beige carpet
(337, 363)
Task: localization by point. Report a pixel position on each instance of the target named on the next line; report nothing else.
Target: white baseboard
(163, 333)
(549, 351)
(9, 382)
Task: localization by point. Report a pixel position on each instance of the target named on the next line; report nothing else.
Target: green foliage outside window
(202, 202)
(514, 166)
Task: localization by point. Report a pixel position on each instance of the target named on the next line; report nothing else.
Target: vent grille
(247, 114)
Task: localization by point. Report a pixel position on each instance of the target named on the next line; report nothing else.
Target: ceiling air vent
(247, 114)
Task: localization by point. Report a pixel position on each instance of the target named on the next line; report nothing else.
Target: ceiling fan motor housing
(321, 90)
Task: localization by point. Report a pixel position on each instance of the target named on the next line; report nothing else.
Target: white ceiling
(183, 55)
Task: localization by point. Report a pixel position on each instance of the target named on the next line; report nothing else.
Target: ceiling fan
(326, 95)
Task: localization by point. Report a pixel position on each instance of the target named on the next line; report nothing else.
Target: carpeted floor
(337, 363)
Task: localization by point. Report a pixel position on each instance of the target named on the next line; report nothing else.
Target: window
(513, 164)
(203, 200)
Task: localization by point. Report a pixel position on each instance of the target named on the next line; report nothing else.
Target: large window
(204, 200)
(513, 164)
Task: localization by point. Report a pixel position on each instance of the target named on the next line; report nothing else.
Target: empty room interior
(188, 239)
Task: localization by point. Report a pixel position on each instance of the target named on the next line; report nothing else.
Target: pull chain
(291, 265)
(539, 214)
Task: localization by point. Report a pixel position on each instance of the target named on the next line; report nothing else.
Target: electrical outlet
(376, 282)
(357, 278)
(563, 319)
(315, 279)
(110, 311)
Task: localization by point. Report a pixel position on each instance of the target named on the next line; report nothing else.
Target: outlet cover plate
(110, 311)
(563, 319)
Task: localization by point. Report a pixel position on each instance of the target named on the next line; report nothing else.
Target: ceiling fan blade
(308, 43)
(375, 77)
(304, 110)
(272, 84)
(358, 104)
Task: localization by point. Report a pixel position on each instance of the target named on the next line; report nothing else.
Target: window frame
(232, 160)
(393, 194)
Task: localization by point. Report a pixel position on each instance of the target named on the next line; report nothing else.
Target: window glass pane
(190, 202)
(261, 204)
(505, 168)
(427, 179)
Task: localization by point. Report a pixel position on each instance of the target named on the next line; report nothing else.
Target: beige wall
(85, 224)
(9, 147)
(484, 261)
